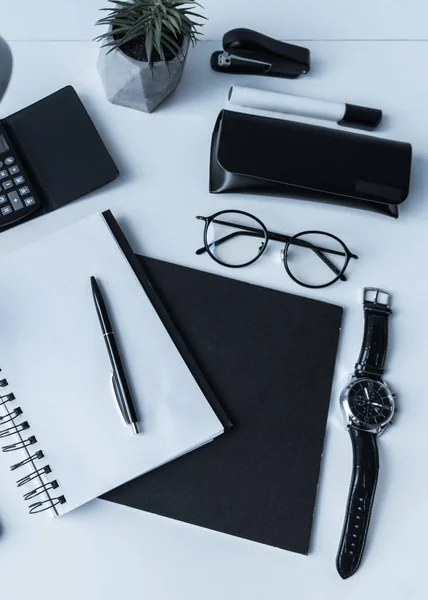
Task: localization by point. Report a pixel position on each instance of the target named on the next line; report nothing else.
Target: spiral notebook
(59, 422)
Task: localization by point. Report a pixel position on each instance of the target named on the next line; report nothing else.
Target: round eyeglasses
(313, 259)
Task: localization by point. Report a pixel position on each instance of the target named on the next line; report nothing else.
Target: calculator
(18, 198)
(50, 154)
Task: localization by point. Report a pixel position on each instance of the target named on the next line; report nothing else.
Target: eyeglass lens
(235, 239)
(315, 259)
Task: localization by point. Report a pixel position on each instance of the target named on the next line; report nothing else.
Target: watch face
(370, 402)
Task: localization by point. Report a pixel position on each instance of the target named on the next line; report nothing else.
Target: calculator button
(9, 160)
(19, 180)
(6, 210)
(1, 164)
(14, 170)
(29, 201)
(24, 190)
(15, 200)
(7, 185)
(2, 199)
(3, 174)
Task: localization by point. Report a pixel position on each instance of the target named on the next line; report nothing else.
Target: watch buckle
(377, 296)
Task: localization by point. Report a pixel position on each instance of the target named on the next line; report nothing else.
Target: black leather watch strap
(360, 501)
(371, 361)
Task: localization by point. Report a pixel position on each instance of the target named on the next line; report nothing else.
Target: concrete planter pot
(131, 83)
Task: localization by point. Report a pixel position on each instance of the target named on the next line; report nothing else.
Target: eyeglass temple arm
(278, 237)
(281, 238)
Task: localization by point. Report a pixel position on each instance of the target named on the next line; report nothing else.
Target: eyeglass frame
(277, 237)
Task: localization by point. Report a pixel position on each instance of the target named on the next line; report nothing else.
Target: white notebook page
(53, 355)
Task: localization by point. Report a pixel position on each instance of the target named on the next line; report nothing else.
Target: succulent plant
(160, 25)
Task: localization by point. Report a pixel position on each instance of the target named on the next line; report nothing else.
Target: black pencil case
(265, 155)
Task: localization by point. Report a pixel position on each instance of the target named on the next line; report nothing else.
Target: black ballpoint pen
(120, 383)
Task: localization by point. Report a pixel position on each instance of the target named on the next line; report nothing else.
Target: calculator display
(3, 145)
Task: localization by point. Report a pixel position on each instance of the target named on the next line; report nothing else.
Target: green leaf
(139, 26)
(177, 14)
(162, 56)
(169, 47)
(173, 42)
(193, 14)
(171, 28)
(149, 46)
(174, 21)
(157, 37)
(177, 3)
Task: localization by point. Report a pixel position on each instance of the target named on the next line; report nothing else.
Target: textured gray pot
(131, 83)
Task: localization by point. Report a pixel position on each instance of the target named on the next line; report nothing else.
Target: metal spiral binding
(8, 418)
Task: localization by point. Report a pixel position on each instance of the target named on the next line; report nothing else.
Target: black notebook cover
(269, 358)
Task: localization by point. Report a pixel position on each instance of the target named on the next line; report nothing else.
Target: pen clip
(120, 400)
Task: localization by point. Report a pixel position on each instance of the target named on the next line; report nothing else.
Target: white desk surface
(104, 551)
(285, 19)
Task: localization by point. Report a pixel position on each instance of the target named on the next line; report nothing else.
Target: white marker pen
(349, 115)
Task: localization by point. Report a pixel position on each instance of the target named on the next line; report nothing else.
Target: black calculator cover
(61, 148)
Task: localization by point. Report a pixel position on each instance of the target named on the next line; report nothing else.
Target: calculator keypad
(17, 198)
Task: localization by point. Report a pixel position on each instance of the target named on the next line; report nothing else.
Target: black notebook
(269, 358)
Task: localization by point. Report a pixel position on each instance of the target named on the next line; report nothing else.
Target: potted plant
(144, 50)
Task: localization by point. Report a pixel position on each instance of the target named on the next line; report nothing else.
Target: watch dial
(370, 402)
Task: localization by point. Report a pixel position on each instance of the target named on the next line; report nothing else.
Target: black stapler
(248, 52)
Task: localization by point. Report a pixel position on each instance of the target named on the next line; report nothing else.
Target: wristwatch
(368, 405)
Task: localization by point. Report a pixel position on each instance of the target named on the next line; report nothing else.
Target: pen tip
(135, 428)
